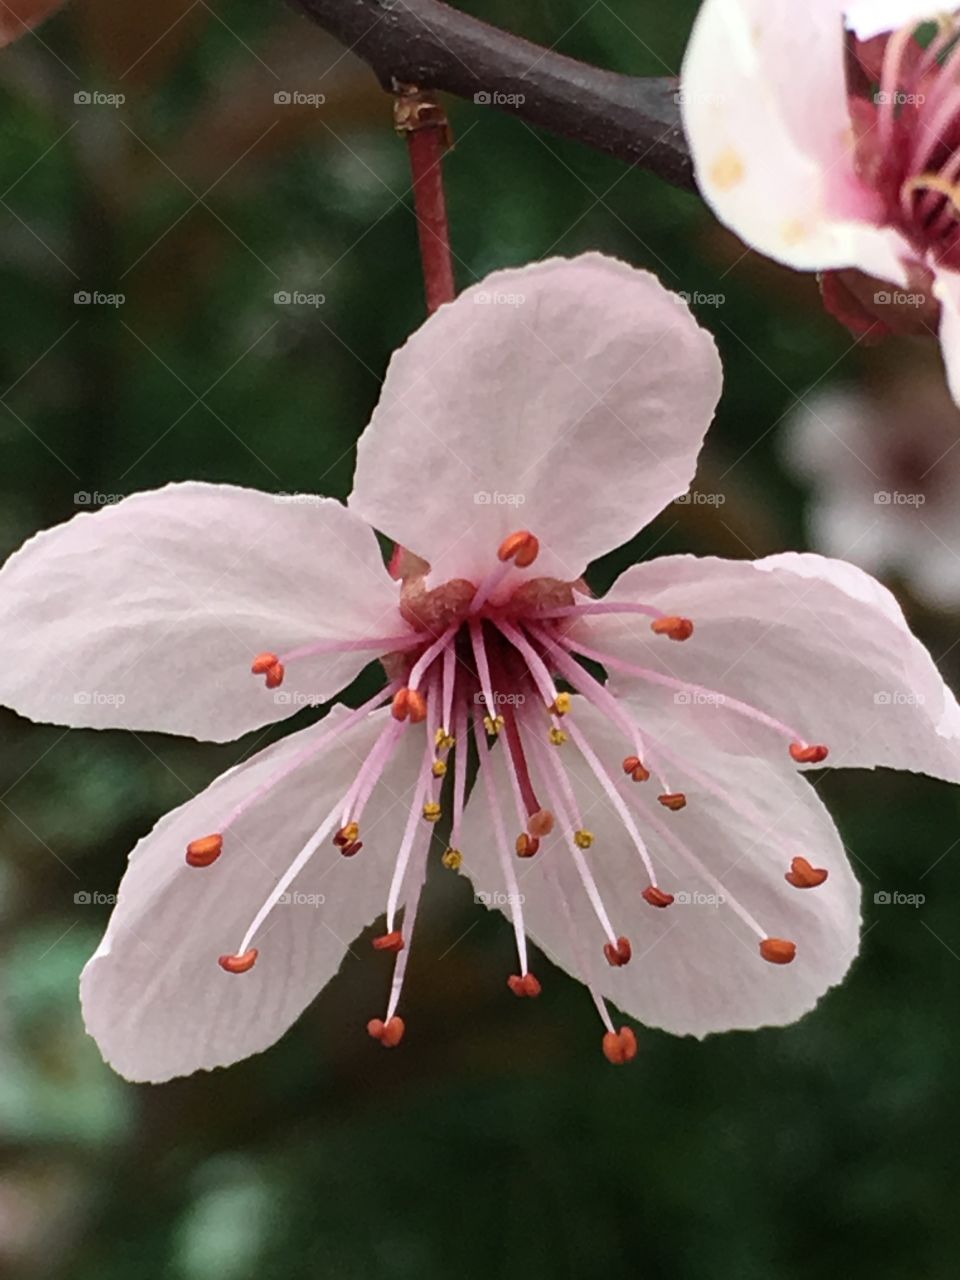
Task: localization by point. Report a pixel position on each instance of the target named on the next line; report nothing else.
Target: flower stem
(418, 116)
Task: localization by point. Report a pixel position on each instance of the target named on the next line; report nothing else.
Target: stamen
(241, 963)
(347, 834)
(778, 950)
(320, 744)
(524, 984)
(418, 876)
(392, 941)
(205, 851)
(446, 742)
(540, 824)
(595, 607)
(372, 770)
(452, 859)
(634, 767)
(460, 762)
(656, 897)
(376, 644)
(427, 657)
(492, 722)
(389, 1033)
(557, 736)
(804, 754)
(500, 839)
(804, 876)
(673, 628)
(583, 839)
(409, 704)
(535, 664)
(527, 845)
(673, 800)
(409, 833)
(521, 547)
(619, 955)
(269, 665)
(431, 810)
(615, 798)
(584, 966)
(620, 1046)
(669, 682)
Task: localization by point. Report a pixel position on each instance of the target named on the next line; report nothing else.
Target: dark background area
(497, 1142)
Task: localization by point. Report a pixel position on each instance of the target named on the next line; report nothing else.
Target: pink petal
(696, 967)
(569, 398)
(816, 643)
(18, 17)
(154, 996)
(147, 614)
(765, 110)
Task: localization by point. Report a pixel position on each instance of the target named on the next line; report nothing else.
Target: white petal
(816, 643)
(765, 111)
(946, 288)
(569, 398)
(154, 997)
(696, 966)
(869, 18)
(147, 614)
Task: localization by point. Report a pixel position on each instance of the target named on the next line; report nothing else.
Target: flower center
(905, 107)
(494, 666)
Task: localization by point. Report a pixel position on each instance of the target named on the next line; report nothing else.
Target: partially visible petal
(147, 614)
(815, 643)
(154, 997)
(569, 398)
(946, 288)
(696, 967)
(765, 110)
(869, 18)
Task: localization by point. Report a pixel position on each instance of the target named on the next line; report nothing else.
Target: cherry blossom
(827, 136)
(638, 811)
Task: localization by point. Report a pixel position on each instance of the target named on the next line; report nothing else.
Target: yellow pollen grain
(444, 741)
(561, 704)
(493, 725)
(583, 839)
(793, 232)
(452, 859)
(431, 811)
(557, 737)
(727, 171)
(439, 768)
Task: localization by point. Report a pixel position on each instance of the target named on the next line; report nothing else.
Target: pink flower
(828, 138)
(649, 832)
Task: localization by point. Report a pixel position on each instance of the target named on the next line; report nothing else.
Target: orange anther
(673, 800)
(275, 676)
(205, 851)
(239, 964)
(263, 662)
(804, 876)
(347, 834)
(673, 627)
(348, 850)
(520, 547)
(416, 706)
(525, 985)
(409, 703)
(636, 769)
(808, 755)
(618, 955)
(389, 941)
(527, 846)
(620, 1046)
(656, 897)
(778, 950)
(388, 1033)
(540, 824)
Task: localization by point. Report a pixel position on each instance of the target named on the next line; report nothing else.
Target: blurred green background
(497, 1142)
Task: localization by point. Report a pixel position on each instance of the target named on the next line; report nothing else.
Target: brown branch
(430, 44)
